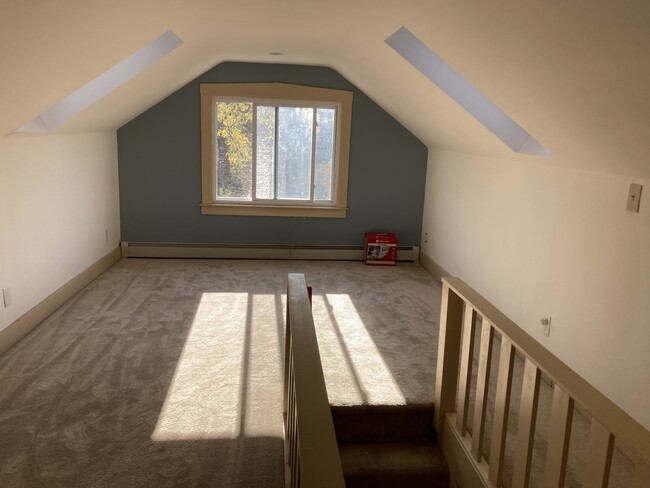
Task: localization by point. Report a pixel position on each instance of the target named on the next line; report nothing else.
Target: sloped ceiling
(574, 74)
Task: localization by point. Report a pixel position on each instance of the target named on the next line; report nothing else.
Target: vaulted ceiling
(575, 74)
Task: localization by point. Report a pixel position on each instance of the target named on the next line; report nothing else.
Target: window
(274, 149)
(104, 84)
(464, 93)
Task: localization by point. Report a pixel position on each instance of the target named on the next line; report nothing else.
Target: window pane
(234, 150)
(294, 152)
(265, 164)
(324, 153)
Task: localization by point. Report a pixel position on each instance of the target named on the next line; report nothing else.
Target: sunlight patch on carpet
(221, 372)
(355, 371)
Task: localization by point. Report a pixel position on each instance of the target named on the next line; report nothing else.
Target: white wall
(58, 194)
(540, 240)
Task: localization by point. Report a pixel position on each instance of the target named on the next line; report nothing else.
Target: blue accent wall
(160, 171)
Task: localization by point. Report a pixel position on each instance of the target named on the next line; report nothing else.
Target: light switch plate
(634, 197)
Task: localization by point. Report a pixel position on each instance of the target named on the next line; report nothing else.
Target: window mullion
(313, 154)
(276, 137)
(254, 155)
(335, 157)
(215, 149)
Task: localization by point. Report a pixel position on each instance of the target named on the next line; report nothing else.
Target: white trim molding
(434, 269)
(32, 318)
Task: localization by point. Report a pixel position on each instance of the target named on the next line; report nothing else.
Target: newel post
(451, 318)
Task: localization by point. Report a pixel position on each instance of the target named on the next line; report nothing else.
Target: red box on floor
(381, 248)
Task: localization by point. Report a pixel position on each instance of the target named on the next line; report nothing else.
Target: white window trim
(292, 94)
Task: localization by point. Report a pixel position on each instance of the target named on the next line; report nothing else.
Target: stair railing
(311, 450)
(459, 309)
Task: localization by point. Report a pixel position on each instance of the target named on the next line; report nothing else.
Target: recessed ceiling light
(105, 83)
(464, 93)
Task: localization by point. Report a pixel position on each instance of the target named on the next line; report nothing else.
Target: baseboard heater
(409, 254)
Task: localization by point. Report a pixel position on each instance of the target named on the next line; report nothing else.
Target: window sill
(273, 211)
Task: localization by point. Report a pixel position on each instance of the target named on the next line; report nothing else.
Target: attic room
(537, 235)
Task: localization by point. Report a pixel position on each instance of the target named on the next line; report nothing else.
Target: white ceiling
(576, 75)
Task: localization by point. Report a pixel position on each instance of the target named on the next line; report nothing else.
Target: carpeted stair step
(389, 446)
(381, 423)
(394, 465)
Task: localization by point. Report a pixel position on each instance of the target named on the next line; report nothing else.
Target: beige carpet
(168, 372)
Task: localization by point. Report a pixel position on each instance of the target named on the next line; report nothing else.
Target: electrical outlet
(545, 324)
(6, 296)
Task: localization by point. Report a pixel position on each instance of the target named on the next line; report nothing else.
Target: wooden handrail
(460, 306)
(312, 451)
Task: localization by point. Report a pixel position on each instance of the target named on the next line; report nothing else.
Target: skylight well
(105, 83)
(464, 93)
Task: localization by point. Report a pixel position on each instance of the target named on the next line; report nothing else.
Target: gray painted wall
(160, 172)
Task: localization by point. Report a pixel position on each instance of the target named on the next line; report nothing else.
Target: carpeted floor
(168, 372)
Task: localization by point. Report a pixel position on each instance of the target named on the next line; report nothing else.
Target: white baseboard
(437, 271)
(28, 321)
(222, 251)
